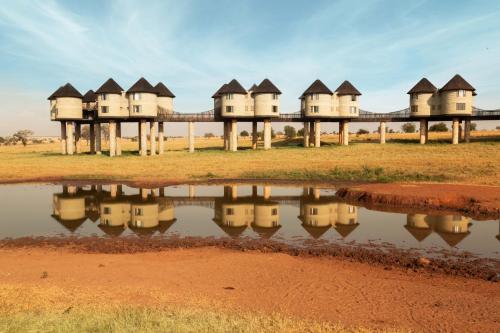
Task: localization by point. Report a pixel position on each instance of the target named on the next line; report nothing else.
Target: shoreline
(387, 257)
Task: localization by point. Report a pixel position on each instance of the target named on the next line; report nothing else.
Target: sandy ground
(320, 288)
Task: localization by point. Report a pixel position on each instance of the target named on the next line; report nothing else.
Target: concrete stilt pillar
(317, 133)
(345, 133)
(423, 131)
(112, 138)
(267, 192)
(161, 139)
(467, 130)
(234, 135)
(118, 139)
(382, 132)
(267, 134)
(341, 132)
(143, 138)
(454, 131)
(306, 135)
(311, 134)
(69, 137)
(113, 190)
(97, 129)
(460, 131)
(139, 136)
(234, 192)
(255, 137)
(191, 136)
(192, 191)
(152, 138)
(92, 138)
(78, 134)
(64, 150)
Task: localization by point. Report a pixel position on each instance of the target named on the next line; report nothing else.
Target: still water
(288, 214)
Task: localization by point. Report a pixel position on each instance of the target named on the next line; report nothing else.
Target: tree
(23, 136)
(409, 128)
(362, 131)
(85, 132)
(244, 133)
(473, 126)
(105, 132)
(300, 132)
(290, 132)
(209, 135)
(439, 127)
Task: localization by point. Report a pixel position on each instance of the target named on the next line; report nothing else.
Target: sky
(382, 47)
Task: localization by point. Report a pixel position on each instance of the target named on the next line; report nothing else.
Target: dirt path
(321, 288)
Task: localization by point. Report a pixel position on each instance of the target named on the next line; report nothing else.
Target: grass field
(402, 159)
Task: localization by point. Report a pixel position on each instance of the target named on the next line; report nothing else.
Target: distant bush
(409, 128)
(362, 131)
(439, 127)
(473, 126)
(209, 135)
(244, 133)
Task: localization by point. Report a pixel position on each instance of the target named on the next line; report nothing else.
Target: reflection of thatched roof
(452, 239)
(93, 215)
(143, 231)
(70, 225)
(233, 232)
(345, 229)
(316, 232)
(163, 226)
(419, 233)
(112, 230)
(265, 232)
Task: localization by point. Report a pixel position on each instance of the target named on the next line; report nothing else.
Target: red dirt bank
(473, 200)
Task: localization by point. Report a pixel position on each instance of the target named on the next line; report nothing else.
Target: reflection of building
(69, 208)
(319, 214)
(144, 214)
(452, 228)
(234, 214)
(417, 225)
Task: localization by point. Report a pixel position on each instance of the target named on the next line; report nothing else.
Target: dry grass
(51, 309)
(401, 159)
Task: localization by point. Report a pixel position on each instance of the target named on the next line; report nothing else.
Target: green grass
(160, 320)
(368, 174)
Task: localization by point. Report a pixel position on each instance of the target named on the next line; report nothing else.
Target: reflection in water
(147, 211)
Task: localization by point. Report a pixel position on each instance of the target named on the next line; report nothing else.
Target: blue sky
(382, 47)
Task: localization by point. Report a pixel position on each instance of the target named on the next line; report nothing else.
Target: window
(274, 211)
(137, 108)
(313, 211)
(230, 211)
(106, 210)
(353, 98)
(461, 93)
(314, 109)
(456, 229)
(275, 96)
(104, 97)
(415, 96)
(229, 96)
(275, 108)
(138, 223)
(275, 223)
(353, 109)
(460, 106)
(104, 109)
(138, 211)
(414, 108)
(352, 221)
(229, 108)
(433, 107)
(105, 221)
(136, 96)
(352, 209)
